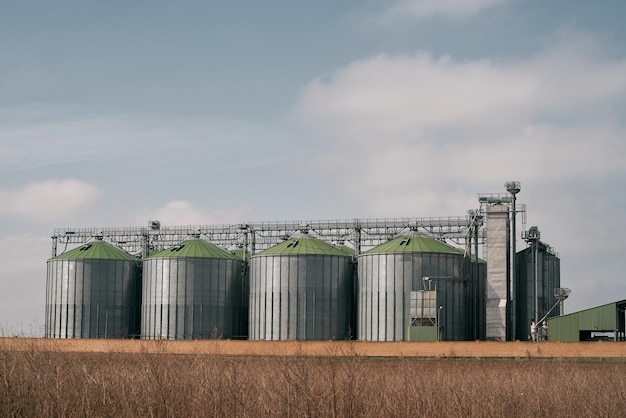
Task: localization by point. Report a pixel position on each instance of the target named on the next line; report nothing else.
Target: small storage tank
(93, 291)
(301, 289)
(192, 291)
(388, 273)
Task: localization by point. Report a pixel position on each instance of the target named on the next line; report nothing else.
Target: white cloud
(412, 134)
(182, 212)
(401, 10)
(409, 95)
(407, 122)
(50, 200)
(23, 283)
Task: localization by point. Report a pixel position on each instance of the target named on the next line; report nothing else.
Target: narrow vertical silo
(388, 273)
(301, 289)
(192, 291)
(93, 291)
(244, 256)
(538, 273)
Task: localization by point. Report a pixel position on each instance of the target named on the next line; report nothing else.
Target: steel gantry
(252, 237)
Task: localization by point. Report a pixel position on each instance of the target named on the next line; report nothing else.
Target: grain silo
(538, 282)
(301, 289)
(244, 256)
(405, 268)
(93, 291)
(192, 290)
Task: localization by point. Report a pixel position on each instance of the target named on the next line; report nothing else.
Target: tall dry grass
(342, 384)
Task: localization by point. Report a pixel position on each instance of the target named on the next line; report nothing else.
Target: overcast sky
(205, 112)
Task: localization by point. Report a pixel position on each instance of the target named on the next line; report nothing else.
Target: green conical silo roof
(96, 250)
(238, 253)
(414, 243)
(303, 245)
(194, 248)
(346, 250)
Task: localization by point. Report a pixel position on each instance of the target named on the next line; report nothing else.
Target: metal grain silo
(93, 291)
(244, 256)
(390, 272)
(538, 276)
(192, 291)
(301, 289)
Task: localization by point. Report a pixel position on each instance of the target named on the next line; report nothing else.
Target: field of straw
(443, 349)
(88, 378)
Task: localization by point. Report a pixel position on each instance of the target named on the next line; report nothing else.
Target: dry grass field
(115, 378)
(474, 349)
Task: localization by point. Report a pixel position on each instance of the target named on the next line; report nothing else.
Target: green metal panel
(239, 254)
(96, 250)
(602, 318)
(563, 328)
(195, 248)
(347, 250)
(424, 333)
(568, 327)
(414, 243)
(303, 245)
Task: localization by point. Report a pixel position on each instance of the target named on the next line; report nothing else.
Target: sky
(210, 112)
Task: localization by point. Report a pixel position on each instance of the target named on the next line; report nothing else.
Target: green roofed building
(414, 243)
(194, 248)
(302, 245)
(96, 250)
(415, 281)
(301, 289)
(193, 290)
(93, 291)
(591, 324)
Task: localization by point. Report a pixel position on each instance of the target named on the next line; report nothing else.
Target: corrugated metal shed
(579, 326)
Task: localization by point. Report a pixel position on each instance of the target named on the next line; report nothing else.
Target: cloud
(22, 300)
(411, 122)
(403, 10)
(407, 95)
(182, 212)
(50, 200)
(418, 135)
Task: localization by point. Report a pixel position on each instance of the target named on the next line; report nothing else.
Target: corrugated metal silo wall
(244, 300)
(191, 298)
(477, 272)
(384, 290)
(91, 298)
(300, 297)
(549, 278)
